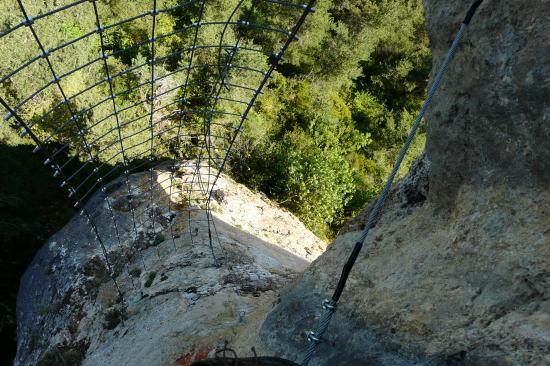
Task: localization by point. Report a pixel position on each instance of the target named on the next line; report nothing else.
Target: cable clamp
(329, 305)
(28, 21)
(312, 337)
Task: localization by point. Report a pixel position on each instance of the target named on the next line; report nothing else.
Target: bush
(150, 278)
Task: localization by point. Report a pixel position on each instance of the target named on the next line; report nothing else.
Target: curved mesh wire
(172, 98)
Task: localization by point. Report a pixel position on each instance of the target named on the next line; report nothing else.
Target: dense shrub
(322, 137)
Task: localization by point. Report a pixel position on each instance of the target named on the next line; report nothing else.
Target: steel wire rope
(330, 305)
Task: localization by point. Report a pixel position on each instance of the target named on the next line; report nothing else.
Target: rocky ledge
(177, 305)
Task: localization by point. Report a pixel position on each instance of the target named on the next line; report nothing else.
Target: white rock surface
(68, 306)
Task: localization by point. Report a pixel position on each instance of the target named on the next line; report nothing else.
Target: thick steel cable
(315, 337)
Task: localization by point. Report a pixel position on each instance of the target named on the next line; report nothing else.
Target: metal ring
(329, 305)
(312, 337)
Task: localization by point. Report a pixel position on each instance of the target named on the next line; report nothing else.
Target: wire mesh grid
(168, 102)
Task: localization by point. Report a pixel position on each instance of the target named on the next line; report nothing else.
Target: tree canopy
(320, 139)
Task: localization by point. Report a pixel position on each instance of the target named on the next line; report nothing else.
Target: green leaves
(318, 181)
(324, 137)
(320, 140)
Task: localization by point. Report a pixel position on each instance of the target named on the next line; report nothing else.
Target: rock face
(457, 269)
(491, 121)
(178, 306)
(455, 272)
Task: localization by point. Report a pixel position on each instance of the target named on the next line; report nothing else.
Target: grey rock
(490, 124)
(456, 271)
(177, 305)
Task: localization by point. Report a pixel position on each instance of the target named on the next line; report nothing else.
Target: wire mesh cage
(159, 87)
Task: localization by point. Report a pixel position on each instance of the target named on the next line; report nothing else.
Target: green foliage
(324, 137)
(157, 240)
(150, 278)
(113, 316)
(135, 272)
(321, 139)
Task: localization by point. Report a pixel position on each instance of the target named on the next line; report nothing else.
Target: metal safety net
(107, 89)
